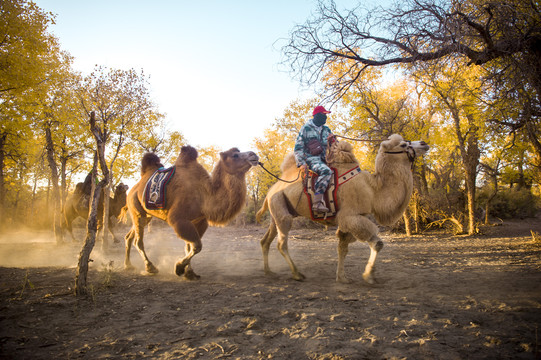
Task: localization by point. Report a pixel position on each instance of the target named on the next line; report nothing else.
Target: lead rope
(286, 181)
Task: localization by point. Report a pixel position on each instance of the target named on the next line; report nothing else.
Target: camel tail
(150, 161)
(262, 211)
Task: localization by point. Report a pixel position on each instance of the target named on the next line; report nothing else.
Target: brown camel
(77, 205)
(384, 194)
(195, 199)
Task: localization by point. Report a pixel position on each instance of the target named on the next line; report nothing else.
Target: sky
(213, 66)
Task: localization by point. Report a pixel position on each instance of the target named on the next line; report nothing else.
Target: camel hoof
(151, 269)
(369, 278)
(270, 273)
(299, 277)
(179, 269)
(191, 275)
(129, 267)
(343, 280)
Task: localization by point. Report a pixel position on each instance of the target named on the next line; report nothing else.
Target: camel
(77, 206)
(195, 200)
(384, 194)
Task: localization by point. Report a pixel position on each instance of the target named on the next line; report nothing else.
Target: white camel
(384, 194)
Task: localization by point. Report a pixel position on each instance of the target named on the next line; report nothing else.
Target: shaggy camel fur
(195, 199)
(76, 206)
(384, 194)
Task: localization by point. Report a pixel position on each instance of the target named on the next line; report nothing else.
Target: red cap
(320, 109)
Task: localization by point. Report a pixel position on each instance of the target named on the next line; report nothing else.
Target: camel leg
(344, 239)
(111, 228)
(265, 245)
(130, 236)
(70, 230)
(140, 246)
(283, 220)
(282, 247)
(190, 234)
(363, 230)
(135, 236)
(376, 245)
(67, 219)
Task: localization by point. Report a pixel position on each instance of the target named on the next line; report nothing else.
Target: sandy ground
(437, 297)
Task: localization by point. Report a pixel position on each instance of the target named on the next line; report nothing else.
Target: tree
(24, 42)
(24, 47)
(122, 106)
(504, 36)
(92, 223)
(457, 93)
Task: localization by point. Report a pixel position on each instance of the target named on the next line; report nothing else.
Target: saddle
(330, 194)
(154, 193)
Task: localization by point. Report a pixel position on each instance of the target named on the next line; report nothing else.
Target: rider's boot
(319, 204)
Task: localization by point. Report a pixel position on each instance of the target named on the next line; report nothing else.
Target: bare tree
(92, 222)
(504, 36)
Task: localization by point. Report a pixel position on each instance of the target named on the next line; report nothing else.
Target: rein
(354, 139)
(411, 156)
(286, 181)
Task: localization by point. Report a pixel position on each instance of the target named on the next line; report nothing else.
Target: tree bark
(2, 181)
(92, 224)
(106, 199)
(407, 224)
(57, 212)
(90, 239)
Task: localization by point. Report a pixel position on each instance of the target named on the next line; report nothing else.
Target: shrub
(513, 203)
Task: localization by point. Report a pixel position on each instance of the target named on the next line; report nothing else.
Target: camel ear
(393, 141)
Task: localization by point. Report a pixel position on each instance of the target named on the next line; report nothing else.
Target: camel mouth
(420, 147)
(253, 160)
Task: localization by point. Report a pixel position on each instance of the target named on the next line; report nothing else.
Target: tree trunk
(407, 224)
(90, 240)
(92, 224)
(106, 199)
(56, 190)
(63, 182)
(2, 181)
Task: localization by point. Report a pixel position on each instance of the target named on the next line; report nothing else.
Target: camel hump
(187, 154)
(150, 161)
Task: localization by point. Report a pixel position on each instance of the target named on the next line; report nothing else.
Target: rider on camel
(310, 150)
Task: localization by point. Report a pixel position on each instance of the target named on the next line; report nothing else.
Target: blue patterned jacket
(308, 132)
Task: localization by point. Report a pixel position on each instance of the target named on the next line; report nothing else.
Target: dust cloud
(219, 257)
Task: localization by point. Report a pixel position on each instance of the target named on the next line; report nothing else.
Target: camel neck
(227, 196)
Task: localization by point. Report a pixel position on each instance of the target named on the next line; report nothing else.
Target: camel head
(121, 189)
(341, 152)
(397, 145)
(236, 162)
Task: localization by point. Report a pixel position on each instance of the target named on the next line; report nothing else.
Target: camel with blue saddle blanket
(384, 194)
(188, 198)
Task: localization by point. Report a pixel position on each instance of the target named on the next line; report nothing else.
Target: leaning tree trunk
(90, 240)
(92, 224)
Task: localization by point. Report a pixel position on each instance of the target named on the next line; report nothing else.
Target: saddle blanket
(330, 193)
(154, 193)
(329, 197)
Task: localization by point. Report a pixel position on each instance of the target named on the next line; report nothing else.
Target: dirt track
(438, 297)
